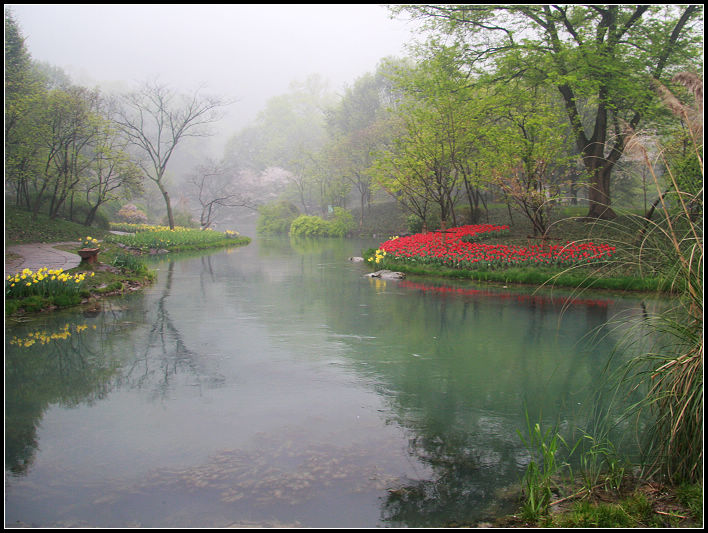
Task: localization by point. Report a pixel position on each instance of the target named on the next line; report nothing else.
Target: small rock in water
(386, 274)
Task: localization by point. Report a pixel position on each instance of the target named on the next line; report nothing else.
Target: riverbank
(38, 263)
(37, 245)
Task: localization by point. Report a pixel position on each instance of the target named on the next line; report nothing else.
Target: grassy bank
(552, 277)
(22, 227)
(143, 238)
(637, 505)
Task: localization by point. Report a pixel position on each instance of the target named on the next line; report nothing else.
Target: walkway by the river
(37, 255)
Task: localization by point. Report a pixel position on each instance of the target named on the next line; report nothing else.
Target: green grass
(23, 227)
(637, 510)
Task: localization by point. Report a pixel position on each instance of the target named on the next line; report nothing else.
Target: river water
(276, 385)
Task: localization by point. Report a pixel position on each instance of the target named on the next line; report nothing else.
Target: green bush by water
(339, 225)
(276, 218)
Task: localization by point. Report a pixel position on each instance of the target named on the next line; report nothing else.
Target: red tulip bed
(458, 248)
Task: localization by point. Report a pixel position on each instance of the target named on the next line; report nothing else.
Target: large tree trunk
(599, 193)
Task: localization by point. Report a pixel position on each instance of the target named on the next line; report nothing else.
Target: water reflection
(275, 384)
(48, 364)
(165, 354)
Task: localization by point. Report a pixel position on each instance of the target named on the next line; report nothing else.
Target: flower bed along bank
(147, 237)
(460, 248)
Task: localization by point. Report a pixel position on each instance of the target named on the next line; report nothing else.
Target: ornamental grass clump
(669, 372)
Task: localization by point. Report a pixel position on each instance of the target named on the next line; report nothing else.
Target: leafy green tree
(110, 173)
(601, 59)
(19, 76)
(528, 151)
(49, 151)
(420, 165)
(355, 132)
(74, 126)
(59, 146)
(24, 99)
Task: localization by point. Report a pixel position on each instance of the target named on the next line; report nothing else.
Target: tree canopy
(601, 58)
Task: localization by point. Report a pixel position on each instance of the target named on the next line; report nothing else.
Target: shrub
(276, 218)
(309, 226)
(342, 223)
(129, 262)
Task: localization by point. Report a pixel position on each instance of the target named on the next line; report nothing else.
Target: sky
(246, 53)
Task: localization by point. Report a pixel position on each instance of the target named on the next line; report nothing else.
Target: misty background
(243, 53)
(250, 57)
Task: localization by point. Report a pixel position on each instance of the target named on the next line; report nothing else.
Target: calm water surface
(275, 385)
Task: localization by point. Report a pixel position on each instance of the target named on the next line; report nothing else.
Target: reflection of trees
(64, 372)
(86, 367)
(460, 489)
(173, 354)
(532, 362)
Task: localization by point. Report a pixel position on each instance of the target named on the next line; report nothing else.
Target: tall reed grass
(669, 373)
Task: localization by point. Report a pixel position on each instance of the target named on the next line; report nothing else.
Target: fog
(241, 54)
(244, 53)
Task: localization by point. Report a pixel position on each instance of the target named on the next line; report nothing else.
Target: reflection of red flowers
(453, 248)
(536, 299)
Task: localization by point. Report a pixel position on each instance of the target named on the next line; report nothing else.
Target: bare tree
(215, 190)
(155, 120)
